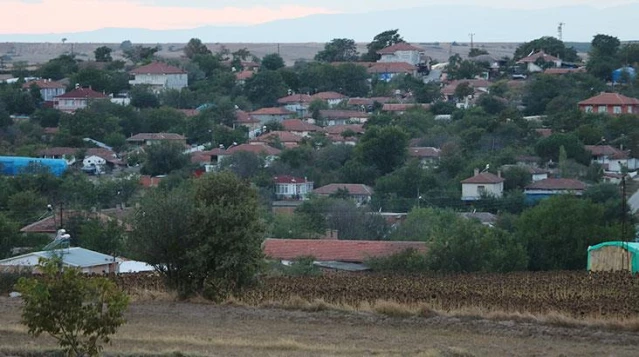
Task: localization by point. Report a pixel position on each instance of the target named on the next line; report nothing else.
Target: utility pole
(472, 40)
(624, 246)
(278, 49)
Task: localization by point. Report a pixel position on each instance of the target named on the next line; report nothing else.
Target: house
(292, 188)
(48, 88)
(401, 108)
(479, 86)
(245, 119)
(296, 103)
(482, 184)
(287, 139)
(385, 71)
(300, 127)
(266, 115)
(50, 224)
(241, 77)
(366, 104)
(257, 148)
(79, 98)
(553, 186)
(88, 261)
(155, 138)
(331, 98)
(342, 117)
(336, 254)
(360, 193)
(534, 60)
(159, 76)
(357, 129)
(402, 52)
(612, 159)
(99, 159)
(148, 181)
(536, 173)
(610, 103)
(427, 156)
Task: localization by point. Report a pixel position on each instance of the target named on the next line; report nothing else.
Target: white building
(534, 59)
(289, 187)
(612, 159)
(331, 98)
(160, 76)
(88, 261)
(481, 185)
(48, 88)
(402, 52)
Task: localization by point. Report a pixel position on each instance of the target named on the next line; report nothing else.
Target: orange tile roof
(295, 98)
(402, 46)
(352, 188)
(244, 75)
(43, 84)
(610, 99)
(155, 136)
(536, 56)
(423, 152)
(157, 68)
(299, 125)
(284, 136)
(328, 95)
(52, 223)
(256, 148)
(392, 67)
(336, 250)
(484, 177)
(243, 117)
(83, 93)
(339, 129)
(557, 184)
(272, 111)
(389, 107)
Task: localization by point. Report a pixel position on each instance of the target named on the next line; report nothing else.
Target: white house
(87, 261)
(612, 159)
(342, 117)
(266, 115)
(159, 76)
(331, 98)
(360, 193)
(48, 88)
(533, 60)
(402, 52)
(482, 184)
(79, 98)
(290, 187)
(296, 103)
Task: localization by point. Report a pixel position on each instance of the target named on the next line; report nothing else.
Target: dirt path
(161, 327)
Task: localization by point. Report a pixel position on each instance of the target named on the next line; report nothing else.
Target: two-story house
(611, 158)
(610, 103)
(402, 52)
(292, 188)
(296, 103)
(48, 88)
(482, 184)
(266, 115)
(159, 76)
(79, 98)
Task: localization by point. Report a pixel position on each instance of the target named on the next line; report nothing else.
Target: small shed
(611, 256)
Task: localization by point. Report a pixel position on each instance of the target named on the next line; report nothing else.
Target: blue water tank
(15, 165)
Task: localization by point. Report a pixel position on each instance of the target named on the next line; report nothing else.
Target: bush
(79, 312)
(408, 261)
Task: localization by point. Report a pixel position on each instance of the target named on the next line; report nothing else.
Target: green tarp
(632, 247)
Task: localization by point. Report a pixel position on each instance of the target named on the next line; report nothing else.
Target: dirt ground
(209, 330)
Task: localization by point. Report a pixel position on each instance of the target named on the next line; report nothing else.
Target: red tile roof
(157, 68)
(606, 150)
(389, 107)
(83, 93)
(200, 157)
(484, 177)
(295, 98)
(272, 111)
(299, 125)
(352, 188)
(244, 75)
(565, 70)
(402, 46)
(535, 56)
(424, 152)
(610, 99)
(392, 67)
(342, 114)
(256, 148)
(336, 250)
(449, 89)
(155, 136)
(43, 84)
(557, 184)
(289, 179)
(148, 181)
(51, 223)
(339, 129)
(338, 138)
(328, 95)
(284, 136)
(243, 117)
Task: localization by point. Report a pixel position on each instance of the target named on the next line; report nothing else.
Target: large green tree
(272, 62)
(603, 57)
(195, 47)
(103, 54)
(550, 45)
(383, 148)
(338, 50)
(163, 158)
(381, 41)
(264, 88)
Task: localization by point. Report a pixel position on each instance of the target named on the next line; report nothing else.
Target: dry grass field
(198, 329)
(35, 53)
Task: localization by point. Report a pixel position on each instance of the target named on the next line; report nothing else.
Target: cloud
(49, 16)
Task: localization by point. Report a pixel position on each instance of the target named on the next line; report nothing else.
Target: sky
(60, 16)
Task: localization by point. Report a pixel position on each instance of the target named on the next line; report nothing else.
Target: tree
(383, 148)
(272, 62)
(474, 52)
(142, 97)
(195, 47)
(463, 90)
(204, 237)
(380, 41)
(558, 232)
(264, 88)
(549, 148)
(103, 54)
(338, 50)
(243, 163)
(8, 236)
(80, 312)
(163, 158)
(603, 57)
(104, 237)
(548, 44)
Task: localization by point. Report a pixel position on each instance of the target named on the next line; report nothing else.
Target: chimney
(331, 234)
(476, 172)
(498, 173)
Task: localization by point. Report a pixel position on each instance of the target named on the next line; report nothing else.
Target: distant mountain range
(424, 24)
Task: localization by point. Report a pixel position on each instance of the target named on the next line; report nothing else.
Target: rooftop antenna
(560, 31)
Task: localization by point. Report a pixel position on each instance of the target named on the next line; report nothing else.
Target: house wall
(269, 117)
(539, 177)
(411, 57)
(70, 104)
(300, 108)
(93, 160)
(616, 165)
(610, 109)
(164, 81)
(293, 190)
(49, 93)
(471, 191)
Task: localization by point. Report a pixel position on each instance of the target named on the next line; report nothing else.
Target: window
(601, 109)
(588, 109)
(481, 190)
(630, 109)
(616, 109)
